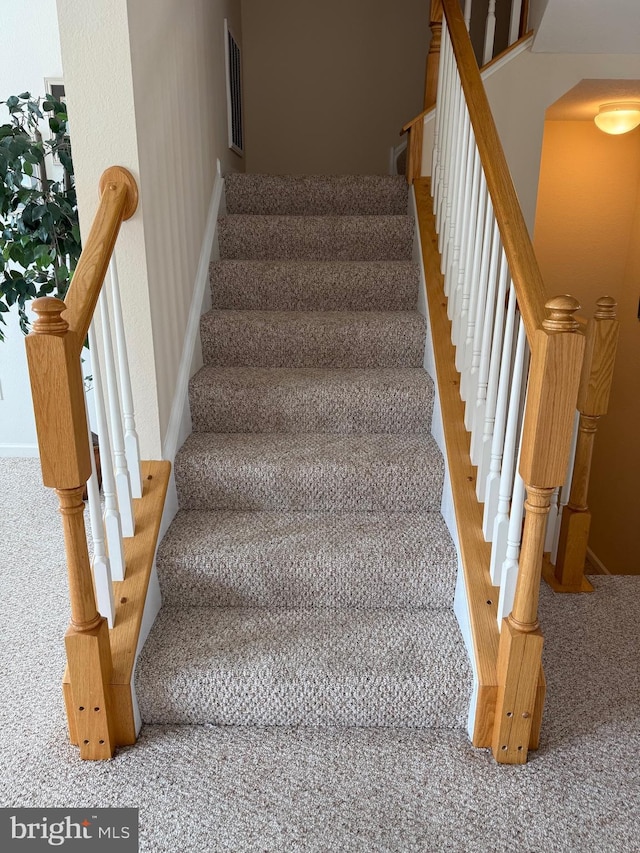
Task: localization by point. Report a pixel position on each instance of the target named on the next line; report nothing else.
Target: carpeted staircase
(308, 578)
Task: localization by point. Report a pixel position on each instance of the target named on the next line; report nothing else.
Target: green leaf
(25, 96)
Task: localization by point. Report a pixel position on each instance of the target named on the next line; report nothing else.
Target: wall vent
(234, 92)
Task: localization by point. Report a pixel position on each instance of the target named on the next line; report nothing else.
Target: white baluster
(112, 525)
(123, 486)
(497, 443)
(501, 523)
(467, 13)
(437, 125)
(488, 269)
(509, 574)
(552, 519)
(131, 447)
(463, 362)
(514, 23)
(466, 270)
(100, 563)
(442, 105)
(497, 344)
(468, 221)
(454, 182)
(497, 259)
(445, 148)
(459, 209)
(489, 33)
(565, 491)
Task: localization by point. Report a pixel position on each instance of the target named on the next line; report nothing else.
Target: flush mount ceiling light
(618, 118)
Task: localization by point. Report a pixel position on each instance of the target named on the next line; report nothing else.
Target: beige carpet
(326, 790)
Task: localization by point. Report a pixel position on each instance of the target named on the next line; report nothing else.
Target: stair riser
(385, 238)
(215, 408)
(313, 195)
(251, 339)
(314, 286)
(282, 487)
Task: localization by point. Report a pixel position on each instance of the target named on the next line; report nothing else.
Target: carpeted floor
(328, 790)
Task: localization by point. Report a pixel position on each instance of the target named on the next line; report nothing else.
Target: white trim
(597, 562)
(447, 509)
(180, 419)
(510, 53)
(26, 451)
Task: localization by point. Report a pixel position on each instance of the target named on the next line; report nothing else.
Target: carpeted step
(262, 559)
(284, 399)
(319, 195)
(315, 285)
(313, 338)
(337, 238)
(348, 667)
(309, 472)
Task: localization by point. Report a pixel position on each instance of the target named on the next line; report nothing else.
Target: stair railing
(109, 593)
(520, 355)
(519, 15)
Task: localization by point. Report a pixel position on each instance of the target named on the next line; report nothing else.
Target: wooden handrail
(118, 202)
(523, 265)
(406, 127)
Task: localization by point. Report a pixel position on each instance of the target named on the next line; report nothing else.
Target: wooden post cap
(117, 175)
(606, 308)
(561, 310)
(49, 320)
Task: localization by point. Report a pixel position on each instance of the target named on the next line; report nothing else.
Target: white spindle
(467, 216)
(454, 181)
(501, 523)
(100, 563)
(489, 33)
(497, 443)
(112, 525)
(552, 519)
(462, 315)
(514, 23)
(491, 402)
(123, 486)
(437, 126)
(463, 364)
(497, 259)
(509, 573)
(566, 489)
(490, 245)
(447, 115)
(131, 448)
(442, 106)
(467, 13)
(459, 209)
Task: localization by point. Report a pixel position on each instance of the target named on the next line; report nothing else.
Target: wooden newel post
(53, 355)
(556, 359)
(593, 401)
(433, 57)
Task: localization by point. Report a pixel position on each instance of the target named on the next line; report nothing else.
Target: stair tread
(284, 399)
(358, 559)
(319, 194)
(251, 666)
(309, 471)
(313, 338)
(314, 285)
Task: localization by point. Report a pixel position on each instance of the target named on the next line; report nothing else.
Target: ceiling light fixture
(618, 118)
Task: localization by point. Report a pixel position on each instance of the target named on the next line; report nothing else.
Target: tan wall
(587, 240)
(146, 90)
(328, 85)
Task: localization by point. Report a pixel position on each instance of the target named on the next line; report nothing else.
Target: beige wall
(520, 93)
(146, 89)
(587, 240)
(328, 85)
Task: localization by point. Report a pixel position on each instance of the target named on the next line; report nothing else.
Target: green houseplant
(39, 232)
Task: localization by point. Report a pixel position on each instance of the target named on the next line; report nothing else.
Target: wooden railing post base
(518, 704)
(568, 573)
(88, 701)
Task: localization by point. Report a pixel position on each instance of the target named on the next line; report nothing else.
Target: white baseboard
(180, 418)
(19, 450)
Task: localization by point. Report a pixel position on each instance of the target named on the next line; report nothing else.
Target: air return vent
(234, 92)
